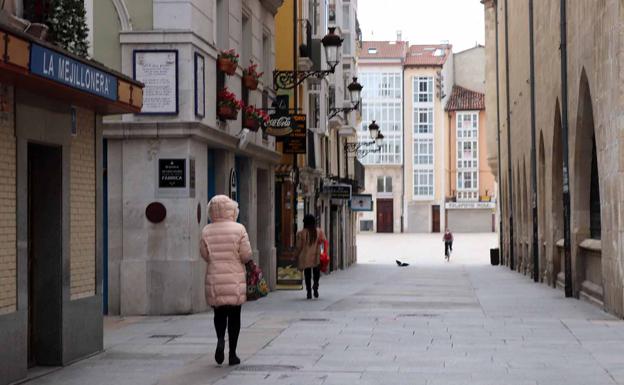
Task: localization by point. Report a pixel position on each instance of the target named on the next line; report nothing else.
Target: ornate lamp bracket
(287, 80)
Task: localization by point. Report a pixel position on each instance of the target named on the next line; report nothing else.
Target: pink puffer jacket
(225, 246)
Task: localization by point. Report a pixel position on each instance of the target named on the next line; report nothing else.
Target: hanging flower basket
(251, 76)
(251, 124)
(254, 118)
(250, 82)
(228, 105)
(227, 113)
(228, 62)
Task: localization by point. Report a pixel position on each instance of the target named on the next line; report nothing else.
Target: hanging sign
(296, 141)
(338, 191)
(279, 125)
(363, 202)
(63, 69)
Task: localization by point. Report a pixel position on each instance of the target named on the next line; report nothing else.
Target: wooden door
(385, 216)
(435, 219)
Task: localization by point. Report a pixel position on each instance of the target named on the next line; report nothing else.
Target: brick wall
(82, 207)
(8, 226)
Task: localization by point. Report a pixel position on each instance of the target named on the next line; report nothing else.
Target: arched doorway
(556, 235)
(586, 200)
(541, 206)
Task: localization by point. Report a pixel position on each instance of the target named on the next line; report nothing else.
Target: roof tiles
(463, 99)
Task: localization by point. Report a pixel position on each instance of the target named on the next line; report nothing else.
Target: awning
(34, 64)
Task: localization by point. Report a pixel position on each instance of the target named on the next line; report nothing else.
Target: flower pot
(250, 82)
(227, 66)
(251, 124)
(227, 113)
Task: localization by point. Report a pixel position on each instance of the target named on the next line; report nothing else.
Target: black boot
(309, 295)
(219, 353)
(316, 295)
(234, 360)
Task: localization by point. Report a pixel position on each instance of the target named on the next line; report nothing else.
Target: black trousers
(308, 273)
(448, 246)
(229, 317)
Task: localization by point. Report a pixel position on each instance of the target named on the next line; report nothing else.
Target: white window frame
(417, 93)
(467, 166)
(385, 179)
(429, 194)
(427, 155)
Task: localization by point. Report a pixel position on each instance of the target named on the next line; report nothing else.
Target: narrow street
(463, 322)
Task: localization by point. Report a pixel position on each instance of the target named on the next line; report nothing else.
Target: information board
(158, 70)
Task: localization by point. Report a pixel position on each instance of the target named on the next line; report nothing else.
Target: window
(384, 184)
(423, 120)
(247, 40)
(423, 184)
(467, 156)
(423, 89)
(266, 58)
(382, 102)
(423, 152)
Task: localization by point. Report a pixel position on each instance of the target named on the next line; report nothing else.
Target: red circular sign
(155, 212)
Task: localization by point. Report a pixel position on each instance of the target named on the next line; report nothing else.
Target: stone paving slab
(431, 323)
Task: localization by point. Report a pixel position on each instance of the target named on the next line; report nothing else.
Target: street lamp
(373, 130)
(290, 79)
(355, 90)
(363, 148)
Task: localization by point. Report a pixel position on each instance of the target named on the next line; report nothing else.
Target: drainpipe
(533, 156)
(500, 172)
(403, 201)
(296, 105)
(564, 138)
(509, 174)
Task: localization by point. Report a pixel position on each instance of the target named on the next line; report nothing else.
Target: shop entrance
(44, 255)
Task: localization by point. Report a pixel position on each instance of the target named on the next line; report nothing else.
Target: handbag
(257, 286)
(324, 257)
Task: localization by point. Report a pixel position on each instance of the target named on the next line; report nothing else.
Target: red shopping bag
(324, 255)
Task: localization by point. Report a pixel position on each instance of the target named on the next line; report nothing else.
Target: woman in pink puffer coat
(224, 245)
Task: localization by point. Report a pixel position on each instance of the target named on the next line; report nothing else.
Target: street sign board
(296, 141)
(338, 191)
(362, 202)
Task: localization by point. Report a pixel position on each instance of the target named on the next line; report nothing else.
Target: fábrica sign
(172, 173)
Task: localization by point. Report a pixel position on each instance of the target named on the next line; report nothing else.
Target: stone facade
(594, 106)
(8, 219)
(83, 207)
(155, 268)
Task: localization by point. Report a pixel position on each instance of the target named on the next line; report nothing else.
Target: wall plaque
(158, 70)
(171, 173)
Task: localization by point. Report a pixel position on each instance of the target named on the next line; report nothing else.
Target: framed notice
(200, 85)
(158, 70)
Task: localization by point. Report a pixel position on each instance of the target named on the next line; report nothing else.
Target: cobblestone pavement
(433, 322)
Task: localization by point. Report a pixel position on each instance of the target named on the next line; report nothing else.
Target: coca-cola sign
(279, 125)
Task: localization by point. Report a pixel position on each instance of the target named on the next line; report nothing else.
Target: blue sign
(63, 69)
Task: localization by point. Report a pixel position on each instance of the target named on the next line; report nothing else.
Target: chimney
(399, 35)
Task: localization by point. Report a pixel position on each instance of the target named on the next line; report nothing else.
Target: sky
(459, 22)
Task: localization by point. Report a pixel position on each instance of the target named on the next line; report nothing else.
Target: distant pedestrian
(448, 243)
(225, 246)
(308, 252)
